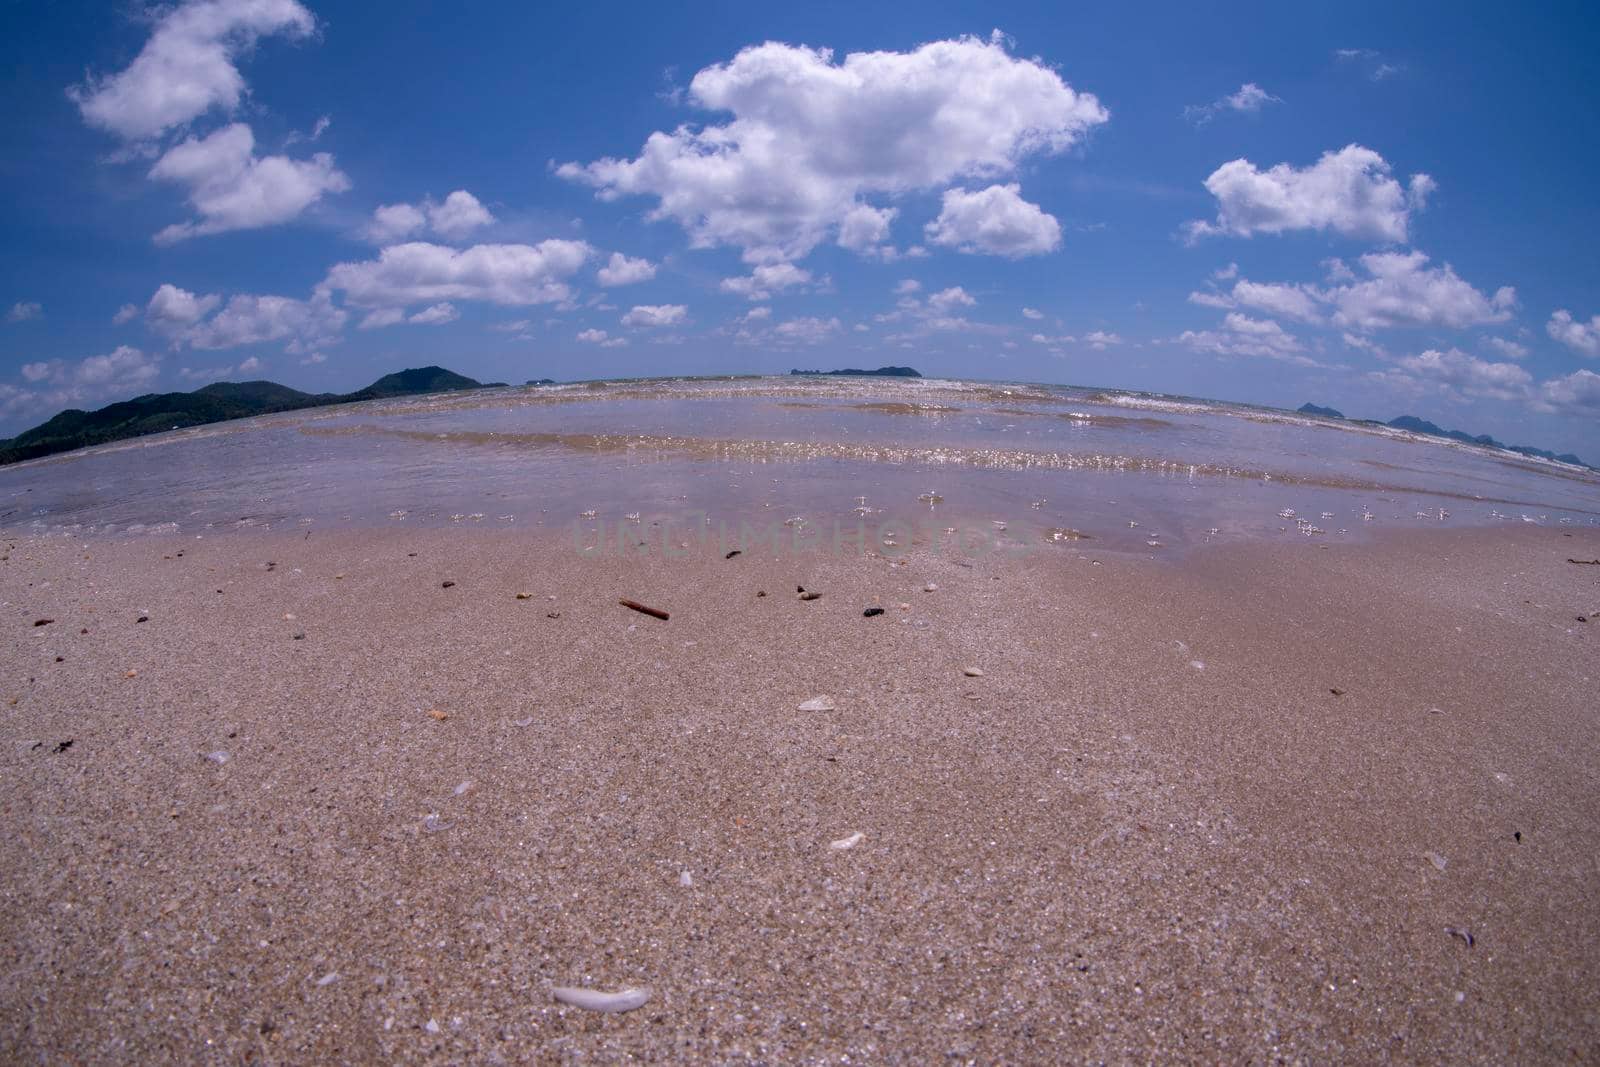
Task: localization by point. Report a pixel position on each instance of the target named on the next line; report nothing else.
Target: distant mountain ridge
(852, 372)
(218, 402)
(1414, 424)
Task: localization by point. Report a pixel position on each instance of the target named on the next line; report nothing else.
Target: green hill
(157, 412)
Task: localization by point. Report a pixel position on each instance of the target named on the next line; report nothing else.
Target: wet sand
(1149, 830)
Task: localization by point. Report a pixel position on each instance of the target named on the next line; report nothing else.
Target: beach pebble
(931, 587)
(524, 596)
(465, 787)
(871, 612)
(847, 842)
(523, 722)
(972, 672)
(328, 979)
(597, 1000)
(686, 879)
(810, 596)
(819, 703)
(1437, 860)
(218, 757)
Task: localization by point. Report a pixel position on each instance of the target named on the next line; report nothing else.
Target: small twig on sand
(636, 606)
(1585, 562)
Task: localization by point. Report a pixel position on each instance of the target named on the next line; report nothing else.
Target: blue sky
(1388, 210)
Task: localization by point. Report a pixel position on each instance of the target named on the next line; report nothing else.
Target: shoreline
(1149, 828)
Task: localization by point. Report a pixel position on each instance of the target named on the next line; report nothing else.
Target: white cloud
(245, 319)
(1290, 301)
(1249, 99)
(418, 272)
(234, 189)
(1508, 348)
(656, 315)
(23, 310)
(1349, 191)
(1400, 290)
(601, 338)
(807, 331)
(376, 320)
(1243, 336)
(760, 314)
(313, 359)
(621, 270)
(1030, 313)
(1100, 339)
(1576, 394)
(187, 66)
(760, 283)
(459, 215)
(1207, 298)
(391, 222)
(1469, 375)
(907, 286)
(947, 300)
(435, 315)
(995, 221)
(56, 384)
(173, 310)
(1581, 337)
(1404, 291)
(125, 314)
(865, 229)
(809, 139)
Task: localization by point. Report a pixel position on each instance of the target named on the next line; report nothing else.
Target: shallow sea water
(814, 463)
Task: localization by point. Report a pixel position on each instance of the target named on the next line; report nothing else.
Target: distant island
(852, 372)
(1413, 424)
(157, 412)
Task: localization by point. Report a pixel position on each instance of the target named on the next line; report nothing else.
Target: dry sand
(1098, 850)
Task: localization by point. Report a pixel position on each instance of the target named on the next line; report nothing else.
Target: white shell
(597, 1000)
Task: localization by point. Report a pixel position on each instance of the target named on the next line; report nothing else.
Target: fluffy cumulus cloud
(1576, 394)
(187, 319)
(1508, 348)
(1101, 339)
(865, 229)
(23, 310)
(50, 385)
(810, 140)
(423, 273)
(1581, 337)
(1242, 335)
(995, 221)
(435, 315)
(656, 315)
(231, 188)
(601, 338)
(1403, 290)
(947, 300)
(622, 270)
(806, 331)
(457, 217)
(767, 279)
(1250, 99)
(1400, 290)
(1469, 375)
(1350, 192)
(187, 67)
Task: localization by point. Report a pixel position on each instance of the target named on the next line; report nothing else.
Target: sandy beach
(268, 797)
